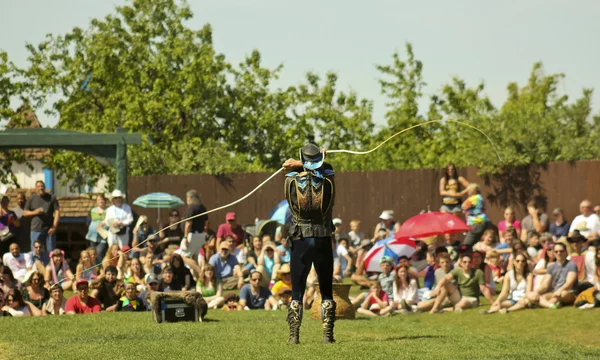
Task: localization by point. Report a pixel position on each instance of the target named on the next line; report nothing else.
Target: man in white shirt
(15, 260)
(588, 223)
(118, 217)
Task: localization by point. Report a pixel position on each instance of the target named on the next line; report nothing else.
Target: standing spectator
(376, 302)
(509, 220)
(588, 223)
(471, 284)
(9, 224)
(44, 210)
(559, 284)
(231, 228)
(536, 220)
(475, 211)
(253, 296)
(58, 272)
(37, 257)
(23, 231)
(194, 236)
(15, 260)
(57, 302)
(560, 226)
(386, 223)
(118, 217)
(34, 290)
(210, 288)
(355, 235)
(96, 216)
(450, 191)
(82, 303)
(130, 301)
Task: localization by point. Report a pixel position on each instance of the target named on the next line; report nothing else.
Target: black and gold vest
(310, 195)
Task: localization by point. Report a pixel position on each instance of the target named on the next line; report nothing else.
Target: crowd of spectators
(533, 262)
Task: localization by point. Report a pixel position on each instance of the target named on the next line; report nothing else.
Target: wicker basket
(344, 308)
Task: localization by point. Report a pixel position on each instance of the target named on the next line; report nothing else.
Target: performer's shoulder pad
(327, 169)
(291, 174)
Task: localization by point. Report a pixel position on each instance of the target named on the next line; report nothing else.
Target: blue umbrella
(281, 213)
(158, 200)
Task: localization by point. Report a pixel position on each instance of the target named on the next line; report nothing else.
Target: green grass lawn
(532, 334)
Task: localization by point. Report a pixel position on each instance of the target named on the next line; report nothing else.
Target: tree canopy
(143, 69)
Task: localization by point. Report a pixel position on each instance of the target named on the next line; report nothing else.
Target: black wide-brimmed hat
(311, 156)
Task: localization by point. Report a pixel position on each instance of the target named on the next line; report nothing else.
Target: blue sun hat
(311, 156)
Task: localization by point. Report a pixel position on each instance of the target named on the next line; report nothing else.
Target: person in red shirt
(376, 300)
(231, 227)
(82, 303)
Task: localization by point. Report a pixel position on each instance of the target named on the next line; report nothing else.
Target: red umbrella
(431, 223)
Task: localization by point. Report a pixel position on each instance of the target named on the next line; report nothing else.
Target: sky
(494, 42)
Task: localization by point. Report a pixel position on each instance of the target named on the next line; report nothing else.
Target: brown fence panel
(363, 195)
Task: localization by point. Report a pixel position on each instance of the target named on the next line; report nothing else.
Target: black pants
(305, 252)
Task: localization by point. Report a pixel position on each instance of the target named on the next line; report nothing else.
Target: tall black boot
(294, 319)
(327, 319)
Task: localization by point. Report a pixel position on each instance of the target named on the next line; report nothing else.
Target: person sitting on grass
(253, 296)
(268, 262)
(58, 272)
(444, 267)
(479, 263)
(471, 284)
(559, 284)
(136, 274)
(168, 282)
(85, 269)
(34, 290)
(151, 281)
(375, 301)
(517, 283)
(181, 274)
(405, 292)
(57, 302)
(210, 288)
(82, 303)
(130, 301)
(540, 270)
(17, 307)
(284, 286)
(107, 288)
(231, 302)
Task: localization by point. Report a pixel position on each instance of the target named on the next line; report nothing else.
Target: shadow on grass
(210, 320)
(401, 338)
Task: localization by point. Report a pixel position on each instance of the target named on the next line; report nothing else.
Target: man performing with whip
(310, 190)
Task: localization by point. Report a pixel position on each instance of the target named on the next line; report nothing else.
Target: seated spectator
(167, 282)
(405, 292)
(231, 228)
(284, 286)
(253, 296)
(172, 236)
(376, 301)
(444, 264)
(360, 276)
(252, 255)
(533, 245)
(130, 301)
(152, 284)
(355, 235)
(15, 260)
(509, 220)
(81, 303)
(590, 258)
(285, 252)
(56, 303)
(344, 256)
(387, 275)
(546, 258)
(114, 257)
(8, 280)
(337, 230)
(475, 212)
(588, 223)
(493, 260)
(479, 263)
(452, 245)
(488, 242)
(227, 269)
(86, 269)
(577, 241)
(142, 232)
(15, 305)
(559, 284)
(93, 252)
(268, 263)
(107, 288)
(58, 272)
(429, 280)
(136, 274)
(181, 274)
(235, 251)
(560, 226)
(536, 220)
(34, 290)
(471, 284)
(597, 272)
(387, 225)
(518, 282)
(37, 257)
(231, 302)
(210, 288)
(152, 258)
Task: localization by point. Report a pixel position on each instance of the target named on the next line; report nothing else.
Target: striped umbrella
(391, 247)
(158, 200)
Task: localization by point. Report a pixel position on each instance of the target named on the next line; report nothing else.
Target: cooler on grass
(178, 306)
